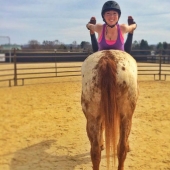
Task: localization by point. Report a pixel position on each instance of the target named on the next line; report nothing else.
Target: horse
(108, 99)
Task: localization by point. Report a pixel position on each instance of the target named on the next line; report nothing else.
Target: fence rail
(19, 71)
(24, 71)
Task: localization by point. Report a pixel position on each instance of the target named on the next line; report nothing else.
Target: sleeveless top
(104, 44)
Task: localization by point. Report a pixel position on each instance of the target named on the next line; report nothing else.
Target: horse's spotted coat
(109, 96)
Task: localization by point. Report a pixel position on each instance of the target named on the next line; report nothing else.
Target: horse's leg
(128, 147)
(101, 136)
(123, 146)
(94, 134)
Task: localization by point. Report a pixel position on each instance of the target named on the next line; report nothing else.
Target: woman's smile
(111, 16)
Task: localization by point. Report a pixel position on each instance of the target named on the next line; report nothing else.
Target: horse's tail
(108, 105)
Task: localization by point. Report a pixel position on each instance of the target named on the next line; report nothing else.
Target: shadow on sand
(36, 157)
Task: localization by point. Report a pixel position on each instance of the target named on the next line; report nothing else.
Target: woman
(111, 34)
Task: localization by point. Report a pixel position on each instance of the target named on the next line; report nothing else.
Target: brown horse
(109, 96)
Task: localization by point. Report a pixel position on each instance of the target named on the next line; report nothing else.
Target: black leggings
(127, 46)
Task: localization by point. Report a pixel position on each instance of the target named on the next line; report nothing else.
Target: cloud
(65, 19)
(13, 25)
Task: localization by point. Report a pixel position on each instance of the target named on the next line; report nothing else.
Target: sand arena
(43, 128)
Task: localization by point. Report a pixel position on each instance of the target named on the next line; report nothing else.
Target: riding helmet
(111, 5)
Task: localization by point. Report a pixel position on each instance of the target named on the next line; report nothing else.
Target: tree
(138, 46)
(85, 45)
(34, 44)
(62, 46)
(74, 44)
(144, 46)
(51, 44)
(48, 44)
(159, 47)
(165, 45)
(57, 42)
(135, 45)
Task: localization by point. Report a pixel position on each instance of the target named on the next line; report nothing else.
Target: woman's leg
(93, 36)
(128, 43)
(94, 42)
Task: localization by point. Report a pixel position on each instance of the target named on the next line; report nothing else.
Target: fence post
(15, 68)
(55, 61)
(160, 64)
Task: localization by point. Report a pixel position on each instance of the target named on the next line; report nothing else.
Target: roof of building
(10, 47)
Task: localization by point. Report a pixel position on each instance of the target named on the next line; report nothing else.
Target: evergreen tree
(144, 46)
(159, 46)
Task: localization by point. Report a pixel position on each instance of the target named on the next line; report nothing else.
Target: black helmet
(110, 5)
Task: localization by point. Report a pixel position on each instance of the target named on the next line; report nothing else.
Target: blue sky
(65, 20)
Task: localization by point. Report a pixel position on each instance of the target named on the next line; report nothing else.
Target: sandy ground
(42, 127)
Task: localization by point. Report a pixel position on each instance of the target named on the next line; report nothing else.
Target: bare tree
(74, 44)
(34, 44)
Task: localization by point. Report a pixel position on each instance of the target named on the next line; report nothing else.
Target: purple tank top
(118, 45)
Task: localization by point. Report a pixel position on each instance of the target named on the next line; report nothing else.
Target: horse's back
(126, 75)
(125, 63)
